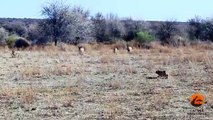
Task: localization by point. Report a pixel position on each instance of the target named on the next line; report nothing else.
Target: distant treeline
(74, 25)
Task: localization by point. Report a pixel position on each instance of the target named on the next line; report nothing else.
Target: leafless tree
(166, 31)
(66, 24)
(109, 28)
(3, 36)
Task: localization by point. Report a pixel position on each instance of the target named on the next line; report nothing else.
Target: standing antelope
(81, 49)
(129, 49)
(115, 50)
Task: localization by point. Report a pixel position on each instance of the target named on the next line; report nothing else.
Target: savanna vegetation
(74, 25)
(81, 67)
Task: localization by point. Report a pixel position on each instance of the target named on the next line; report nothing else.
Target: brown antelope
(115, 50)
(129, 49)
(81, 49)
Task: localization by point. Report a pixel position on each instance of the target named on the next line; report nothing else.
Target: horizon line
(121, 18)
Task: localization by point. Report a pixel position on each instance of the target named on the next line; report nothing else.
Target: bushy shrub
(195, 28)
(200, 29)
(207, 31)
(10, 41)
(108, 29)
(21, 43)
(34, 32)
(166, 30)
(18, 28)
(132, 27)
(3, 36)
(120, 44)
(178, 40)
(144, 37)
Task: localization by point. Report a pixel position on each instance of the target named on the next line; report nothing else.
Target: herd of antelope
(115, 49)
(82, 49)
(129, 49)
(23, 43)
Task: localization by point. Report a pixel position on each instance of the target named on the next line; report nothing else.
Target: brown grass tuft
(115, 85)
(28, 96)
(162, 49)
(195, 57)
(120, 44)
(106, 59)
(62, 69)
(67, 101)
(113, 111)
(32, 71)
(130, 69)
(202, 46)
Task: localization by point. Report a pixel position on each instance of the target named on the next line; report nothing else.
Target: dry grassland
(59, 83)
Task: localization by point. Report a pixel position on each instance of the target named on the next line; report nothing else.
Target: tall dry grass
(25, 95)
(32, 71)
(156, 47)
(61, 69)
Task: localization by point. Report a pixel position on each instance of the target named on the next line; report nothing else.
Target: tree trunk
(56, 41)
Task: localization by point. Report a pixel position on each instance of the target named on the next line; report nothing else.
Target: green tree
(144, 37)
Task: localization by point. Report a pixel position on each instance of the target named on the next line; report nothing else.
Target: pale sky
(180, 10)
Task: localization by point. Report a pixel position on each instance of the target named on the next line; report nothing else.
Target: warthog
(162, 74)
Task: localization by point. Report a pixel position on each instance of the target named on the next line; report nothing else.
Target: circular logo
(197, 100)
